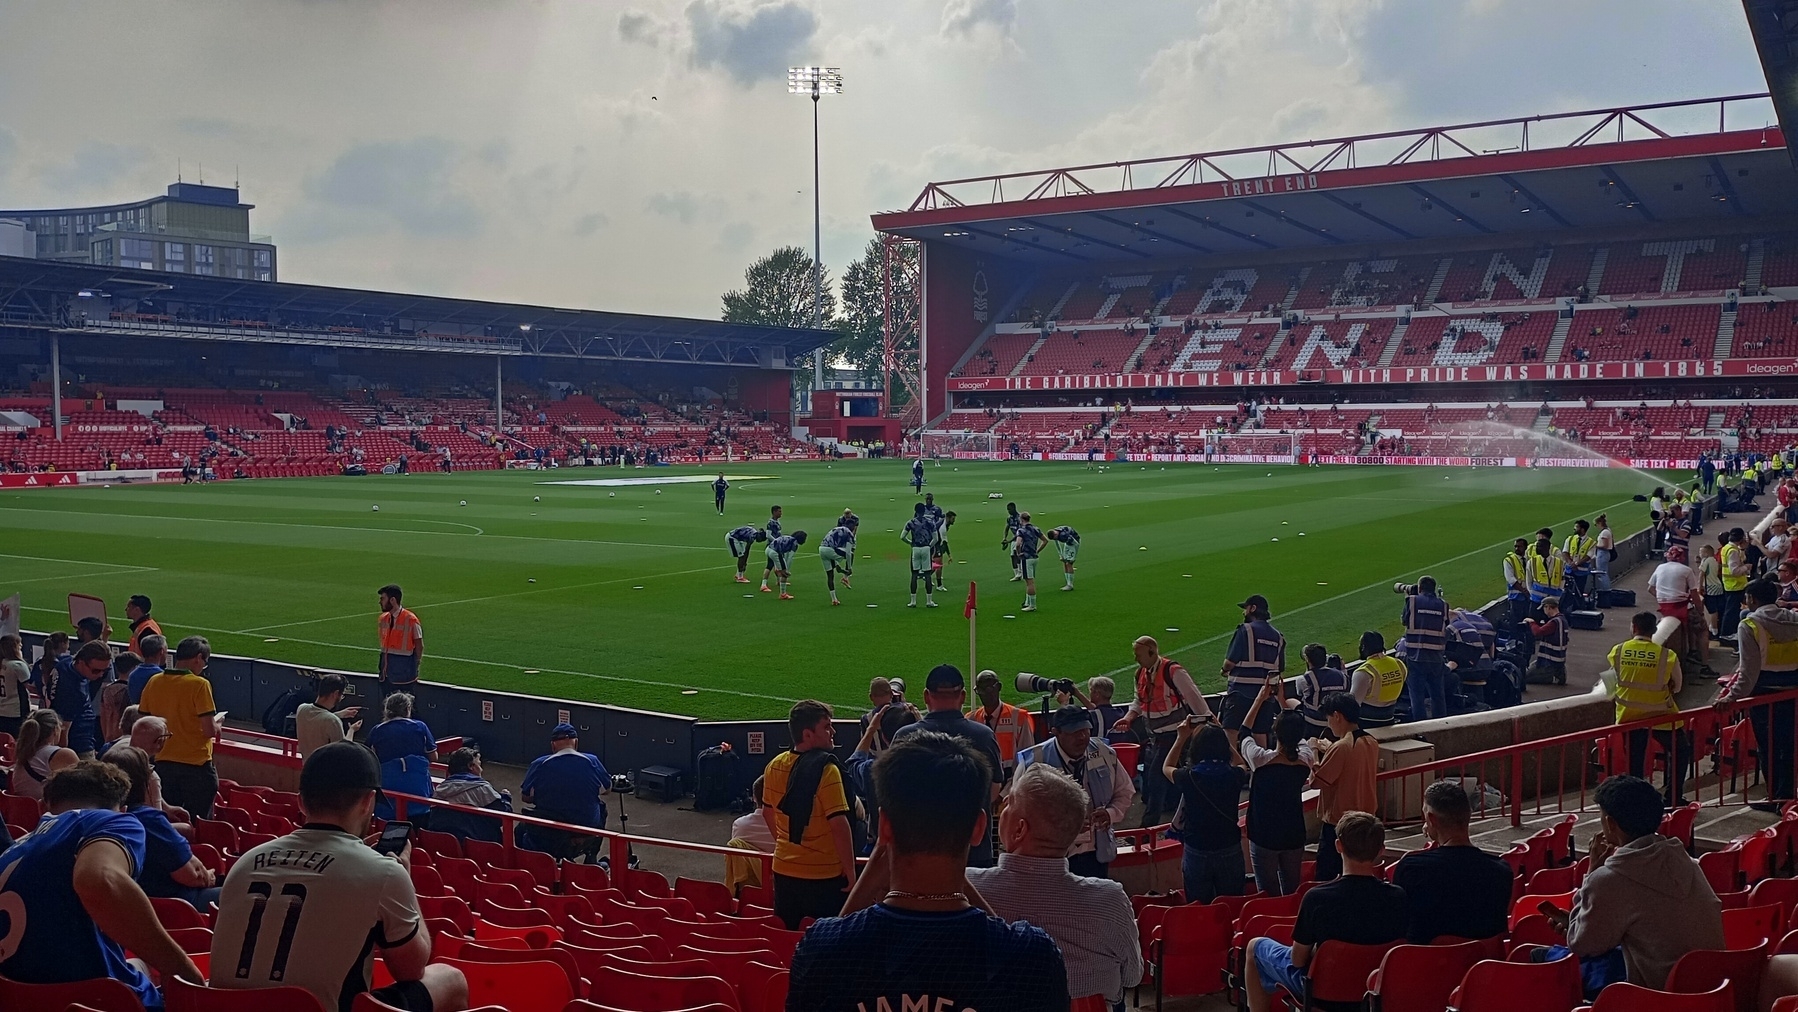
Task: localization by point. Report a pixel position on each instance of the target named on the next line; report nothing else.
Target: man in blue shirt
(917, 475)
(156, 650)
(837, 552)
(69, 907)
(913, 934)
(719, 487)
(1029, 544)
(738, 541)
(77, 683)
(566, 786)
(921, 533)
(945, 693)
(772, 530)
(780, 561)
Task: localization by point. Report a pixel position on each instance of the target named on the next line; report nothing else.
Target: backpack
(279, 712)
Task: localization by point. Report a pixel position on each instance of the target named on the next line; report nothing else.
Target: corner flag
(968, 612)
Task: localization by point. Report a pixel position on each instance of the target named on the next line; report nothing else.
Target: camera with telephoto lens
(1406, 589)
(1028, 682)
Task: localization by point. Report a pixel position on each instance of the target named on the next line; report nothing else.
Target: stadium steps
(1726, 335)
(1751, 274)
(1298, 286)
(1558, 339)
(1030, 352)
(1173, 289)
(1432, 293)
(1542, 423)
(1714, 423)
(1277, 342)
(1134, 362)
(1105, 307)
(1595, 274)
(1055, 310)
(1395, 342)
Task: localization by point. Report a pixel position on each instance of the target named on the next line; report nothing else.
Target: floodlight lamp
(814, 81)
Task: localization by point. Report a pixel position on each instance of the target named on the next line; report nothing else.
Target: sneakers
(742, 579)
(765, 588)
(911, 604)
(1015, 578)
(786, 597)
(1068, 587)
(1028, 607)
(834, 602)
(929, 604)
(845, 582)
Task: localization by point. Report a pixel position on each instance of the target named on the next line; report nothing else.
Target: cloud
(684, 207)
(97, 165)
(963, 18)
(736, 237)
(407, 184)
(751, 41)
(211, 126)
(647, 29)
(587, 224)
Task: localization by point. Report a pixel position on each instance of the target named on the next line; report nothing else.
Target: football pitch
(623, 593)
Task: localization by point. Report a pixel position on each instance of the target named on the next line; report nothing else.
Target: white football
(658, 491)
(611, 495)
(536, 498)
(463, 503)
(376, 509)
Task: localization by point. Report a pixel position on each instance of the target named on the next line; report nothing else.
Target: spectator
(150, 734)
(465, 785)
(749, 832)
(1344, 776)
(567, 785)
(40, 751)
(183, 697)
(319, 723)
(1276, 815)
(169, 868)
(858, 771)
(1767, 663)
(127, 721)
(405, 748)
(1644, 896)
(335, 897)
(1455, 888)
(881, 692)
(111, 698)
(72, 697)
(15, 686)
(156, 651)
(43, 675)
(74, 877)
(1010, 724)
(1358, 908)
(911, 926)
(944, 694)
(807, 812)
(1210, 789)
(1076, 751)
(1090, 919)
(1318, 681)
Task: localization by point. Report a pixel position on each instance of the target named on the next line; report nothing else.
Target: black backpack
(275, 719)
(716, 779)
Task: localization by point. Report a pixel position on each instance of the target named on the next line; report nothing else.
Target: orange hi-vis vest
(1006, 722)
(1155, 690)
(400, 632)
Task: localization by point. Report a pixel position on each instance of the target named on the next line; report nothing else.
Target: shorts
(410, 995)
(1067, 551)
(776, 560)
(738, 549)
(942, 548)
(1273, 961)
(920, 560)
(1029, 564)
(1235, 710)
(1713, 603)
(831, 558)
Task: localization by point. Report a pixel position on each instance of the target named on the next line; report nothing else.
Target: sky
(636, 156)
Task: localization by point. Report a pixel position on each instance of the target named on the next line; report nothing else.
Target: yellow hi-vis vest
(1515, 570)
(1577, 547)
(1728, 557)
(1776, 657)
(1388, 675)
(1547, 576)
(1644, 681)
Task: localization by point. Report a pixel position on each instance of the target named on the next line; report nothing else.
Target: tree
(777, 292)
(863, 323)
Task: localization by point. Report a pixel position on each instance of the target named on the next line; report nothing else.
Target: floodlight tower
(816, 82)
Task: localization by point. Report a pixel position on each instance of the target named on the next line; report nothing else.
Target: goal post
(959, 444)
(1252, 447)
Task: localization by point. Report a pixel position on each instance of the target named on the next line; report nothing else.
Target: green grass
(634, 603)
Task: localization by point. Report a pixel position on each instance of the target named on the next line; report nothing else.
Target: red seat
(177, 913)
(192, 940)
(754, 981)
(1535, 930)
(666, 967)
(451, 907)
(1525, 906)
(1702, 970)
(537, 936)
(590, 877)
(1758, 858)
(728, 964)
(523, 881)
(439, 844)
(634, 993)
(563, 908)
(222, 835)
(426, 881)
(1339, 972)
(366, 1002)
(1783, 891)
(1747, 927)
(641, 882)
(519, 987)
(1681, 824)
(1420, 978)
(1626, 997)
(707, 897)
(1189, 950)
(515, 917)
(543, 869)
(1494, 986)
(1723, 868)
(587, 1006)
(181, 996)
(1550, 881)
(475, 952)
(102, 994)
(503, 894)
(488, 855)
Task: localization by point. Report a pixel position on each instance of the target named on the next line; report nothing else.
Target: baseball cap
(1254, 601)
(339, 766)
(944, 678)
(1071, 716)
(564, 731)
(985, 678)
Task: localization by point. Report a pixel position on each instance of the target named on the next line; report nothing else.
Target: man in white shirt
(1091, 763)
(317, 725)
(1090, 919)
(1676, 586)
(308, 909)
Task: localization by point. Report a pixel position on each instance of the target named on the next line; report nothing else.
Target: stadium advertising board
(1746, 368)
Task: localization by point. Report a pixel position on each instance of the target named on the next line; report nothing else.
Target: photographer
(1165, 697)
(1076, 751)
(1426, 636)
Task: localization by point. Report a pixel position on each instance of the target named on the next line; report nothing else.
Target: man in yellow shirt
(807, 811)
(182, 696)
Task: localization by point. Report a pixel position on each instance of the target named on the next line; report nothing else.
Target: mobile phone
(1548, 909)
(394, 838)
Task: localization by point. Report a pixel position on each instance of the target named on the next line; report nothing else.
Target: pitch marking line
(115, 569)
(500, 664)
(1362, 590)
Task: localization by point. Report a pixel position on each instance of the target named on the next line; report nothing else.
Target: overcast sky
(636, 156)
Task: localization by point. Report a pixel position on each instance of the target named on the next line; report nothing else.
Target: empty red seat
(1702, 970)
(475, 952)
(1494, 986)
(661, 994)
(1746, 927)
(101, 994)
(1420, 978)
(1626, 997)
(518, 987)
(707, 897)
(177, 913)
(181, 996)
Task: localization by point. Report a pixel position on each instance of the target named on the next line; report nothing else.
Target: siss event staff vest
(1516, 571)
(1779, 660)
(1547, 576)
(1266, 646)
(1731, 555)
(1005, 722)
(1644, 672)
(1577, 547)
(1388, 675)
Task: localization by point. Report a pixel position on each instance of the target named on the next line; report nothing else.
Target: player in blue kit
(69, 907)
(780, 559)
(837, 552)
(738, 541)
(922, 534)
(772, 531)
(1010, 541)
(719, 487)
(1029, 543)
(939, 552)
(917, 474)
(1067, 545)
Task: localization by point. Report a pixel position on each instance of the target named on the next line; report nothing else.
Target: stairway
(1292, 294)
(1105, 307)
(1397, 340)
(1757, 257)
(1434, 292)
(1595, 275)
(1558, 339)
(1055, 310)
(1172, 290)
(1541, 423)
(1134, 362)
(1274, 345)
(1034, 348)
(1726, 335)
(1714, 421)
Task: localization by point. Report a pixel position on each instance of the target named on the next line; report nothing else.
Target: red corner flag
(968, 612)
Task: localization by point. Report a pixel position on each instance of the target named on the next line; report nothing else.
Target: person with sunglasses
(182, 696)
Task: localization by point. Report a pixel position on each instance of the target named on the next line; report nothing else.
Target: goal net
(1252, 447)
(962, 444)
